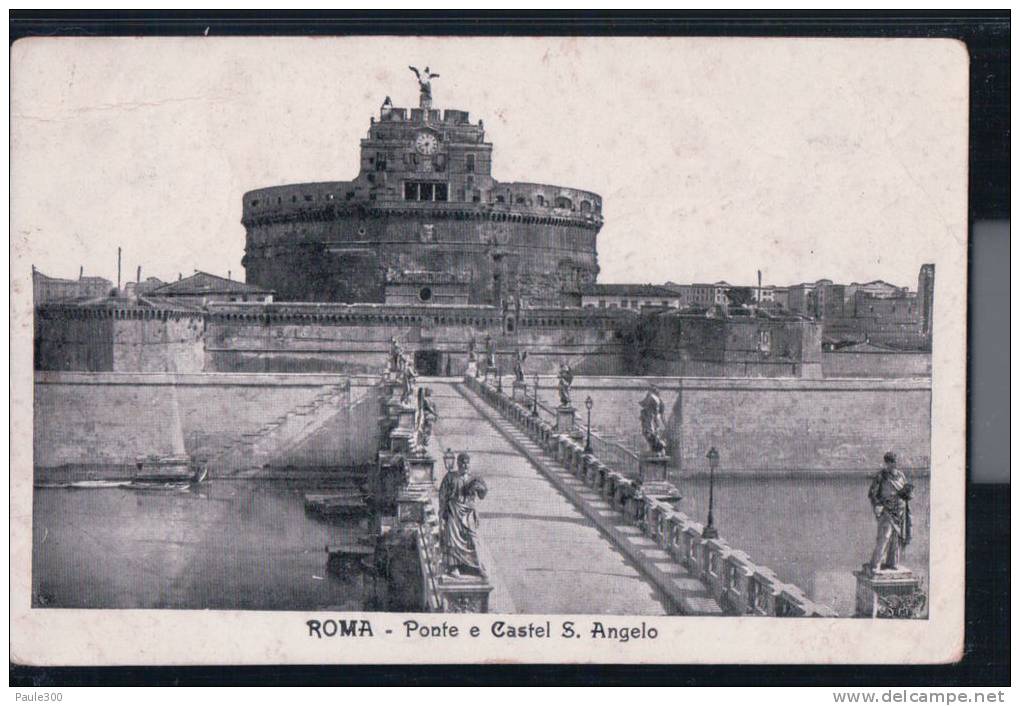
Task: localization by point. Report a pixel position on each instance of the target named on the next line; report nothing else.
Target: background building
(204, 288)
(628, 296)
(50, 289)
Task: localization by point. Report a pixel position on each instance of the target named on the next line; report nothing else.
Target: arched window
(470, 163)
(586, 207)
(563, 202)
(540, 200)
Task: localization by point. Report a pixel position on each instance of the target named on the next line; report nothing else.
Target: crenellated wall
(356, 338)
(119, 338)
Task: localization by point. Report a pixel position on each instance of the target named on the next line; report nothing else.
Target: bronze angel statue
(424, 82)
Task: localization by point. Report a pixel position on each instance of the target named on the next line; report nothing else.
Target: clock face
(426, 143)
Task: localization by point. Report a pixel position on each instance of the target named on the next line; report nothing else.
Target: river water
(241, 545)
(249, 545)
(812, 532)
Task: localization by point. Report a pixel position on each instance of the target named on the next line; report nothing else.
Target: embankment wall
(108, 419)
(768, 425)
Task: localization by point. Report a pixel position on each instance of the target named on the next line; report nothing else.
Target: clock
(426, 143)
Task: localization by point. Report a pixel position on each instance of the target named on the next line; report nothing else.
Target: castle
(424, 245)
(424, 217)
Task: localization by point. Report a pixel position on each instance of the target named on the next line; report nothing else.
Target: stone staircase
(270, 443)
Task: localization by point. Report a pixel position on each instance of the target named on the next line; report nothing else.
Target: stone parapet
(739, 585)
(405, 490)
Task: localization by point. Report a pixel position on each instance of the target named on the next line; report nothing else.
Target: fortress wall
(771, 425)
(110, 418)
(361, 346)
(99, 341)
(73, 343)
(157, 346)
(891, 364)
(345, 258)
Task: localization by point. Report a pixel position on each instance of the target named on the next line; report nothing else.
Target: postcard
(487, 349)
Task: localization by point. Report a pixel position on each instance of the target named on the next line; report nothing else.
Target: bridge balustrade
(416, 499)
(740, 585)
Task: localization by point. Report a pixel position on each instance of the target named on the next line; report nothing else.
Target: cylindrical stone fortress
(423, 209)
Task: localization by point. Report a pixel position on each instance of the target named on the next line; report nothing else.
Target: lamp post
(449, 457)
(534, 399)
(499, 380)
(588, 404)
(710, 532)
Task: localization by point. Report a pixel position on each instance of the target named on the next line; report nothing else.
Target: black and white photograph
(373, 330)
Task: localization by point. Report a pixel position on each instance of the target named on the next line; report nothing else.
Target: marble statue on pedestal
(490, 353)
(890, 495)
(408, 377)
(425, 417)
(564, 379)
(653, 421)
(519, 366)
(458, 494)
(396, 354)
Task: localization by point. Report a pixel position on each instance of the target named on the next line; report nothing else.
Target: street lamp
(710, 532)
(588, 404)
(534, 399)
(499, 380)
(449, 457)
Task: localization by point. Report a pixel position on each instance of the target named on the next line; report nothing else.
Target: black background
(986, 34)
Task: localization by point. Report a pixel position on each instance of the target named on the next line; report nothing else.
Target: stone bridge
(561, 531)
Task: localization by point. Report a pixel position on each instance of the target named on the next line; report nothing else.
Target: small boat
(342, 502)
(351, 557)
(169, 472)
(86, 484)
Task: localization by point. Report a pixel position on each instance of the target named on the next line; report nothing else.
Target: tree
(739, 296)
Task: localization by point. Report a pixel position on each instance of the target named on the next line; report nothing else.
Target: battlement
(327, 200)
(450, 116)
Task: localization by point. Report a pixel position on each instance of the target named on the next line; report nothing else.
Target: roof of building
(626, 290)
(123, 302)
(205, 283)
(87, 279)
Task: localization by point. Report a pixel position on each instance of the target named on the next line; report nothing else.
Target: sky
(805, 158)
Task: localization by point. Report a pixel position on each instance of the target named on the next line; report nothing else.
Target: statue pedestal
(391, 390)
(412, 503)
(400, 441)
(472, 369)
(520, 391)
(405, 417)
(652, 468)
(490, 376)
(564, 419)
(889, 593)
(653, 472)
(467, 594)
(421, 469)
